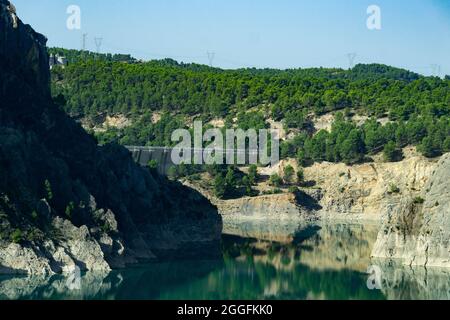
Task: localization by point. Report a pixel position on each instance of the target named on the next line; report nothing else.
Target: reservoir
(261, 260)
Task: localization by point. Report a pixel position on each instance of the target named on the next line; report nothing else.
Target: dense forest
(418, 107)
(75, 56)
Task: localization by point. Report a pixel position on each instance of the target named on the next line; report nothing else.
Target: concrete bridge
(163, 155)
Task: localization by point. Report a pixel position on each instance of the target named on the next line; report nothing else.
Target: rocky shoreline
(408, 199)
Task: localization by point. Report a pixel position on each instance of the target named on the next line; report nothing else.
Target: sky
(414, 34)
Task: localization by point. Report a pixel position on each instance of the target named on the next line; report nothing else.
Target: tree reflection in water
(327, 261)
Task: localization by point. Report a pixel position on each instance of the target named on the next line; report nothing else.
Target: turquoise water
(259, 262)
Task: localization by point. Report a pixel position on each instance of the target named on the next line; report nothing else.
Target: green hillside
(418, 107)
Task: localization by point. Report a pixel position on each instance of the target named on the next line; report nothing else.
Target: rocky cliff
(285, 206)
(335, 191)
(366, 191)
(417, 232)
(66, 202)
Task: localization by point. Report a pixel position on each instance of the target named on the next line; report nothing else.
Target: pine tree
(352, 149)
(253, 174)
(391, 152)
(219, 186)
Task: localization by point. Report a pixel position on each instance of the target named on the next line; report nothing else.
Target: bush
(300, 176)
(153, 164)
(220, 187)
(69, 209)
(172, 173)
(275, 180)
(419, 200)
(391, 153)
(274, 191)
(195, 177)
(16, 236)
(293, 189)
(253, 174)
(48, 190)
(446, 145)
(393, 188)
(288, 174)
(430, 148)
(277, 191)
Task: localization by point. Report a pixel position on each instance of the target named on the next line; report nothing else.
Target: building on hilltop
(57, 60)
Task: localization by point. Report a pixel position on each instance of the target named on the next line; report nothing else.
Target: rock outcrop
(285, 206)
(417, 232)
(366, 191)
(64, 200)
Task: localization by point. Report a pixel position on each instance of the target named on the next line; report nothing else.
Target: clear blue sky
(415, 34)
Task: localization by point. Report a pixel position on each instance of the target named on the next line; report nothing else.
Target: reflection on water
(260, 261)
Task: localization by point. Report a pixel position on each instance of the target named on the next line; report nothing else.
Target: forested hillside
(417, 107)
(75, 56)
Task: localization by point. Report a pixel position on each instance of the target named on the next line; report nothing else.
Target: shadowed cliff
(64, 201)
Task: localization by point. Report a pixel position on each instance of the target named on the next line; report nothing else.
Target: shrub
(300, 176)
(48, 190)
(446, 145)
(393, 188)
(253, 174)
(288, 174)
(419, 200)
(391, 153)
(16, 236)
(219, 186)
(153, 164)
(274, 191)
(69, 209)
(275, 180)
(172, 173)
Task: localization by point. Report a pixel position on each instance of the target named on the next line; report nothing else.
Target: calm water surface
(261, 260)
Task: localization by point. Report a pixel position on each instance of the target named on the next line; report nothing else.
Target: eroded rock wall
(417, 232)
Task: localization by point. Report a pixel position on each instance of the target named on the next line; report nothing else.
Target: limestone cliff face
(417, 232)
(279, 206)
(368, 190)
(64, 201)
(337, 191)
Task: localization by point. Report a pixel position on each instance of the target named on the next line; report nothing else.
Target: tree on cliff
(352, 149)
(391, 152)
(288, 174)
(253, 174)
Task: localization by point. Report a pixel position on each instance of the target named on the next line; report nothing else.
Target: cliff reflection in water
(283, 261)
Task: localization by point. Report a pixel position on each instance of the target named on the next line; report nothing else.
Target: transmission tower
(211, 56)
(351, 59)
(98, 43)
(436, 70)
(84, 41)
